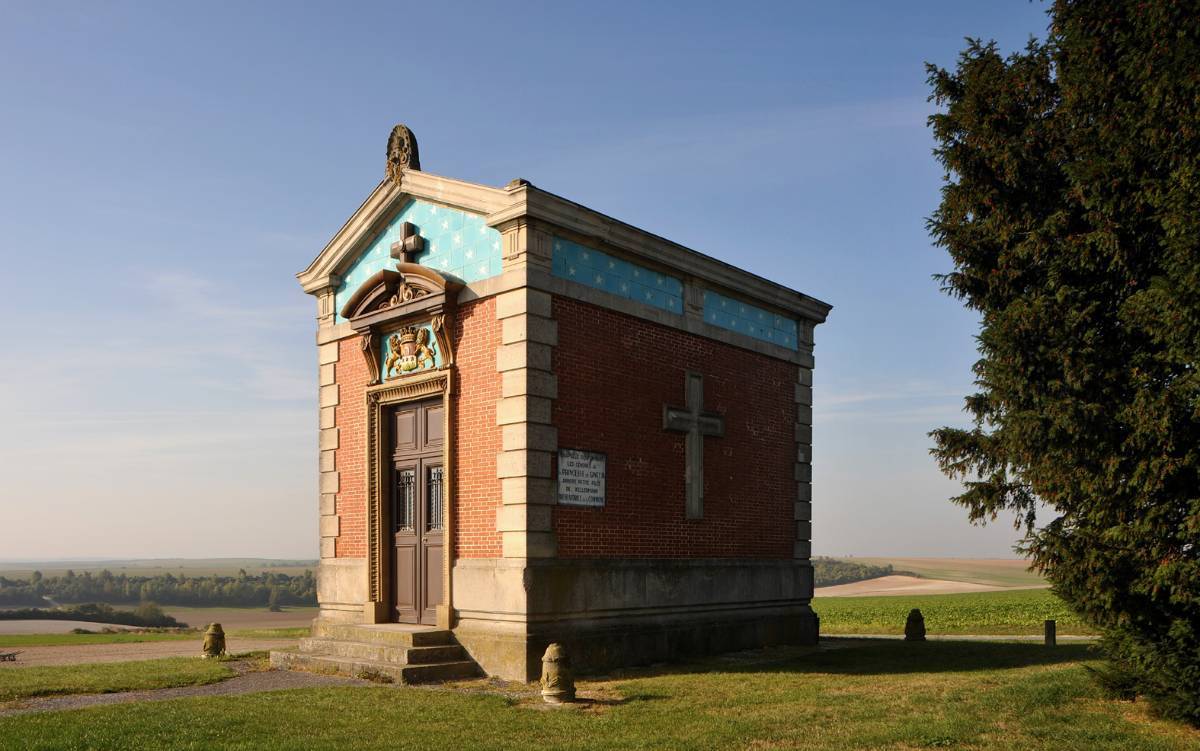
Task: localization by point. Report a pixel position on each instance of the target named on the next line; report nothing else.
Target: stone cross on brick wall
(409, 245)
(697, 424)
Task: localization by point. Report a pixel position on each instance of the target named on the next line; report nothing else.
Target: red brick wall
(615, 373)
(476, 336)
(477, 491)
(350, 417)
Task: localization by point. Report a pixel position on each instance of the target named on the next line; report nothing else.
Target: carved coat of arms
(409, 349)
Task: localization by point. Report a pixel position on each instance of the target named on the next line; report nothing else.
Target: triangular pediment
(380, 210)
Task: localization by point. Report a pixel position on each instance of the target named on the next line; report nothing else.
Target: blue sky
(168, 169)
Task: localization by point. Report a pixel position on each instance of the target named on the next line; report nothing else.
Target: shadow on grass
(892, 656)
(866, 656)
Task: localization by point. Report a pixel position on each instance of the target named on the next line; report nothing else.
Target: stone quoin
(538, 424)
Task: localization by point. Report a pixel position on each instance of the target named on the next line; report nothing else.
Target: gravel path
(247, 681)
(75, 654)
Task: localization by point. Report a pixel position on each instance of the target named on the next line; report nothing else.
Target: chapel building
(539, 424)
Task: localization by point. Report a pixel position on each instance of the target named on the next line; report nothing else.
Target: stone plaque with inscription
(581, 478)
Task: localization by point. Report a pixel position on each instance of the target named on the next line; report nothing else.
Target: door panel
(417, 512)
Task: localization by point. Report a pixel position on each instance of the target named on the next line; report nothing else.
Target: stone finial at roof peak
(402, 153)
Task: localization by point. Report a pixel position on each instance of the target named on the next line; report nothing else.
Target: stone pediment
(410, 290)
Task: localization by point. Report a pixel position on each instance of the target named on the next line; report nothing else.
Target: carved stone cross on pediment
(409, 245)
(697, 424)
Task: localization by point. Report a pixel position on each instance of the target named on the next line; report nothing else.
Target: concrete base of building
(597, 646)
(615, 613)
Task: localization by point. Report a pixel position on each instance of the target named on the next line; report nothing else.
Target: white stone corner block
(529, 544)
(329, 395)
(529, 328)
(524, 518)
(802, 549)
(803, 511)
(524, 354)
(330, 526)
(516, 409)
(327, 374)
(328, 547)
(523, 301)
(529, 435)
(328, 504)
(524, 463)
(804, 492)
(327, 439)
(327, 353)
(329, 482)
(803, 529)
(528, 490)
(529, 382)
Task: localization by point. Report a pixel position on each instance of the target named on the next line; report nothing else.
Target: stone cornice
(522, 200)
(534, 203)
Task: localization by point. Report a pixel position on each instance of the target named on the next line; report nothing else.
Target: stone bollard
(214, 641)
(914, 627)
(1051, 633)
(558, 685)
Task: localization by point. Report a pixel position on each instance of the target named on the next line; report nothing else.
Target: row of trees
(244, 590)
(828, 572)
(147, 614)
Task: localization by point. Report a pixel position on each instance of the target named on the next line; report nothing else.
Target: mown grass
(890, 695)
(108, 677)
(62, 640)
(270, 633)
(1015, 612)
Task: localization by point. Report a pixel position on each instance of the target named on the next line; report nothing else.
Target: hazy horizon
(177, 166)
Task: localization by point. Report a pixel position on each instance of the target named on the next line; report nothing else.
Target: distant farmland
(190, 567)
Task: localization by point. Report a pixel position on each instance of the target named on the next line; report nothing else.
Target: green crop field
(1015, 612)
(994, 571)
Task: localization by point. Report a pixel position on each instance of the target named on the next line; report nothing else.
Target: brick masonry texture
(350, 417)
(615, 373)
(477, 490)
(476, 336)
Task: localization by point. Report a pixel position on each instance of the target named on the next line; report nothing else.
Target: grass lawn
(107, 677)
(881, 695)
(1013, 612)
(17, 641)
(271, 633)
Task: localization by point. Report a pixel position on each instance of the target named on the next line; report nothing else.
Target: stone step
(357, 668)
(382, 652)
(389, 634)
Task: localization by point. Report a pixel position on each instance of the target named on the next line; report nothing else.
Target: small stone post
(1051, 633)
(214, 641)
(914, 627)
(558, 684)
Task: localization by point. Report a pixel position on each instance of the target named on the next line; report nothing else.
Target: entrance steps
(406, 654)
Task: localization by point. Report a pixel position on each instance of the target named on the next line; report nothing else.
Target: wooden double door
(418, 504)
